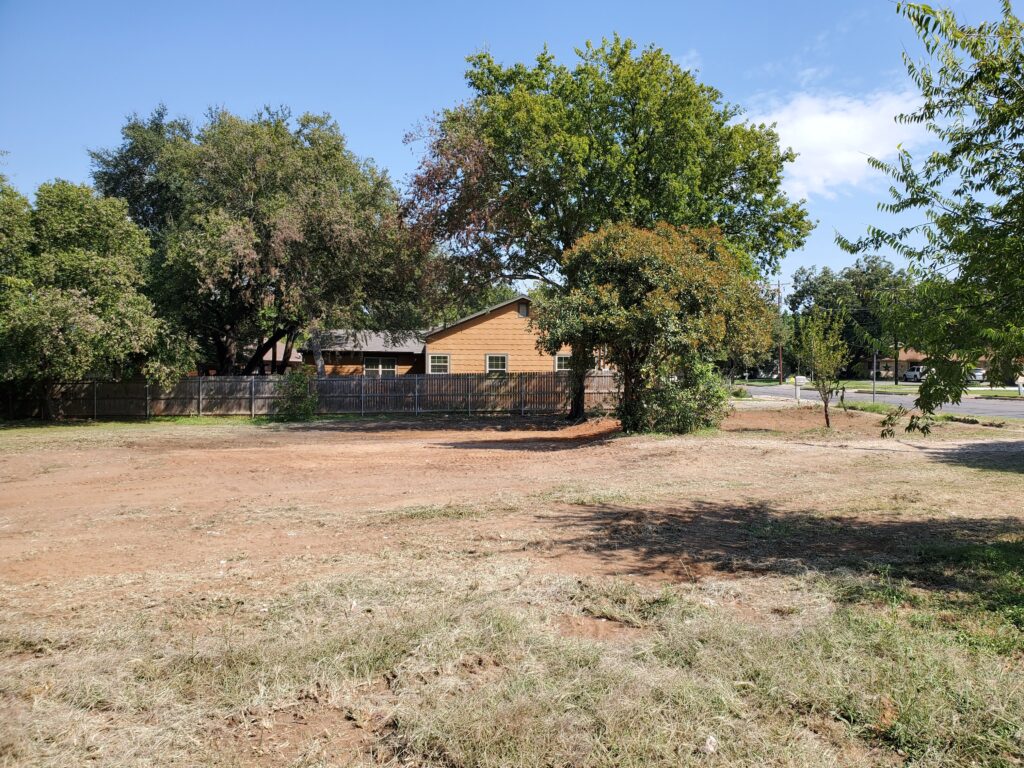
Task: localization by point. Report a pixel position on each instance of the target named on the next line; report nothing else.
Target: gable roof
(481, 313)
(348, 340)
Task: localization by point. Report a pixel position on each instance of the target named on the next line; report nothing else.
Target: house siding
(501, 332)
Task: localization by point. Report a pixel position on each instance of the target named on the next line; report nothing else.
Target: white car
(916, 373)
(976, 374)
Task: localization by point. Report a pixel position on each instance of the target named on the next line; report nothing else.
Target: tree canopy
(868, 298)
(656, 302)
(544, 154)
(71, 303)
(261, 228)
(970, 191)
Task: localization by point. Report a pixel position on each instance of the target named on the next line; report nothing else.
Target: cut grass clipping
(437, 663)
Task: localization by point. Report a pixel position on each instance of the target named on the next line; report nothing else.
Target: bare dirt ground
(94, 501)
(116, 522)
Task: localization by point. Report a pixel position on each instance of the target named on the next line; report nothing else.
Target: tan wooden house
(496, 340)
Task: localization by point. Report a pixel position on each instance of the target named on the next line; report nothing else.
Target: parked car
(916, 373)
(976, 374)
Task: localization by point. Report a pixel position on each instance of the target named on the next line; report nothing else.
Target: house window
(562, 362)
(379, 367)
(524, 309)
(439, 364)
(497, 363)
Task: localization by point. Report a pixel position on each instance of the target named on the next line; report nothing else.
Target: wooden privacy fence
(521, 393)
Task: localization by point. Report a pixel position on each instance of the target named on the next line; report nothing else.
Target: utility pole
(779, 294)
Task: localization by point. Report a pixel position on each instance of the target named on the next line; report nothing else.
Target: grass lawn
(886, 387)
(882, 389)
(471, 592)
(1010, 394)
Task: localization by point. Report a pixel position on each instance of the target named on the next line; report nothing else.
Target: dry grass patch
(796, 601)
(447, 664)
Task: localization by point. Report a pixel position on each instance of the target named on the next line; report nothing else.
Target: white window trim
(487, 362)
(447, 363)
(559, 356)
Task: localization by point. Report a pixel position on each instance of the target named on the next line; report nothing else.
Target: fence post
(252, 397)
(362, 395)
(416, 395)
(522, 394)
(94, 412)
(200, 377)
(469, 395)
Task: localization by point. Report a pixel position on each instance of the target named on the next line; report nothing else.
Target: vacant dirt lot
(430, 592)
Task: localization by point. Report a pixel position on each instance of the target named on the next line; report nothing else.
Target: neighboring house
(367, 353)
(908, 357)
(496, 340)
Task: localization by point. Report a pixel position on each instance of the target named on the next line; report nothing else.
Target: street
(1013, 409)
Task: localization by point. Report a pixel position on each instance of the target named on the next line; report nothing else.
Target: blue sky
(828, 72)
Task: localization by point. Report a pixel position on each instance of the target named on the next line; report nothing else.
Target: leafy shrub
(697, 399)
(298, 398)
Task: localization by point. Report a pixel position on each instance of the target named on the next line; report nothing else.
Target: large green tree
(262, 228)
(543, 154)
(657, 302)
(70, 300)
(968, 197)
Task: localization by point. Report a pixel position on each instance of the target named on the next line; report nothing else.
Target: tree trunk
(896, 364)
(318, 353)
(48, 403)
(254, 362)
(828, 420)
(287, 356)
(225, 357)
(579, 364)
(629, 409)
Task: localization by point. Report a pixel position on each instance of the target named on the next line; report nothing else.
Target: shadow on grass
(993, 456)
(695, 540)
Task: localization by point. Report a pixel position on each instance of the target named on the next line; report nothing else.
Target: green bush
(298, 397)
(696, 399)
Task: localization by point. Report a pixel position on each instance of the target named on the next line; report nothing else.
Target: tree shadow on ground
(536, 444)
(994, 456)
(436, 422)
(705, 538)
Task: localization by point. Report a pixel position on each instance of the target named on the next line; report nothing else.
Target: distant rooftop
(347, 340)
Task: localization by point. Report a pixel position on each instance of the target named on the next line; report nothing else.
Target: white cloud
(835, 134)
(689, 60)
(810, 75)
